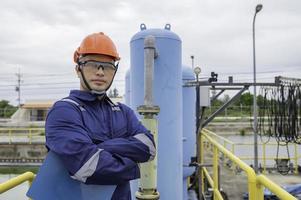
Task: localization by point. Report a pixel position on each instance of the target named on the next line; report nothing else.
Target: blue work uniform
(98, 141)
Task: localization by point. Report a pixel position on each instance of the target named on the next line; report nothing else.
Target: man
(98, 141)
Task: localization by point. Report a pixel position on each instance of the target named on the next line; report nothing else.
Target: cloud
(39, 37)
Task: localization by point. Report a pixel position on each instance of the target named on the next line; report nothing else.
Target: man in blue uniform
(98, 141)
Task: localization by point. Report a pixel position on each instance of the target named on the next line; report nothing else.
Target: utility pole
(257, 9)
(18, 88)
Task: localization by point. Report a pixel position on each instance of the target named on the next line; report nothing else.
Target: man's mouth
(99, 81)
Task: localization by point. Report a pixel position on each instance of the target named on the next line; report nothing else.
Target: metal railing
(231, 146)
(29, 133)
(255, 183)
(27, 176)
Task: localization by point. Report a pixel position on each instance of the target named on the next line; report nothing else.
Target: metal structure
(222, 86)
(201, 122)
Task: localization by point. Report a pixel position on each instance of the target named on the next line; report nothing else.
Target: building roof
(42, 104)
(46, 104)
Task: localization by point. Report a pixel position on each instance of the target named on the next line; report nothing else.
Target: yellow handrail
(249, 171)
(231, 146)
(27, 176)
(255, 183)
(21, 132)
(274, 188)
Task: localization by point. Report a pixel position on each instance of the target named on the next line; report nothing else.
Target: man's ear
(77, 70)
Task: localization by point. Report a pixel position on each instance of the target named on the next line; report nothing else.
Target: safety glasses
(94, 66)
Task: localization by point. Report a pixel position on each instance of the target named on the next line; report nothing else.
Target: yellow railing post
(296, 159)
(30, 136)
(274, 188)
(215, 171)
(201, 153)
(233, 164)
(260, 191)
(9, 135)
(264, 157)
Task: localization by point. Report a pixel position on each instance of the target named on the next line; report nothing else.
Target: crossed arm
(109, 163)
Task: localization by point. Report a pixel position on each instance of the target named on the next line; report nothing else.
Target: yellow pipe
(27, 176)
(249, 171)
(218, 136)
(217, 195)
(148, 170)
(208, 177)
(274, 188)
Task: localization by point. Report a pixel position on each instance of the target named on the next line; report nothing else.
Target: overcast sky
(39, 38)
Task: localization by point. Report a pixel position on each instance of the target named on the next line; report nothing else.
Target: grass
(18, 170)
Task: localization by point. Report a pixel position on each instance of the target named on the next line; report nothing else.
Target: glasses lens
(95, 66)
(91, 66)
(107, 66)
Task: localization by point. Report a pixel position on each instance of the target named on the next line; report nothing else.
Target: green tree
(6, 110)
(260, 99)
(246, 99)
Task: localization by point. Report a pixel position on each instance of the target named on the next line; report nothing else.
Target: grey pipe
(149, 57)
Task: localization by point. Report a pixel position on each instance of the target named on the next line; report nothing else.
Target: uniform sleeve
(139, 147)
(85, 161)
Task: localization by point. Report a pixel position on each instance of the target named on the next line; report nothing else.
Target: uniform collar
(88, 96)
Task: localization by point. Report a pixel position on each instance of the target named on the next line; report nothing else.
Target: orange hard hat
(96, 43)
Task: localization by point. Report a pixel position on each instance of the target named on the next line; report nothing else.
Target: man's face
(98, 72)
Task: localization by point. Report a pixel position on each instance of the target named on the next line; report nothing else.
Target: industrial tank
(167, 87)
(127, 95)
(189, 137)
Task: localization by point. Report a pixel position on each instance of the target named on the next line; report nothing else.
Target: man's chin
(98, 89)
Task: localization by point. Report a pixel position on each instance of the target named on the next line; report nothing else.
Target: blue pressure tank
(127, 97)
(167, 88)
(189, 137)
(127, 94)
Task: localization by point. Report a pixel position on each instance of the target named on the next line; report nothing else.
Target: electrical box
(205, 96)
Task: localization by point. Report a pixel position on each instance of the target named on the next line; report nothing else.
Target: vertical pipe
(148, 171)
(149, 55)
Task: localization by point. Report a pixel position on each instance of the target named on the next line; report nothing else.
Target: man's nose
(100, 70)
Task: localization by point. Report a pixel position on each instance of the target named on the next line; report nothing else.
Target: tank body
(167, 88)
(189, 137)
